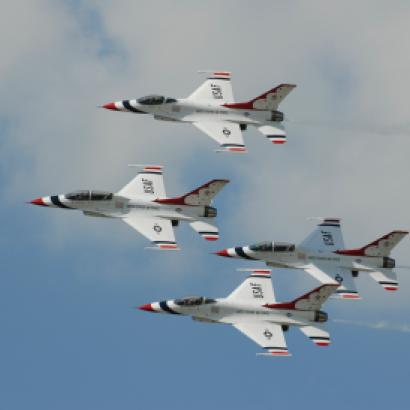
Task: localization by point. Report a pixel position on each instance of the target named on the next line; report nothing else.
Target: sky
(70, 334)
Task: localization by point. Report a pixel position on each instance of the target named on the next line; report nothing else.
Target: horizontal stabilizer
(387, 278)
(206, 230)
(317, 335)
(275, 134)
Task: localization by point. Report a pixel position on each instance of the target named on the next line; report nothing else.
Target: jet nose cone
(110, 106)
(223, 252)
(38, 201)
(147, 307)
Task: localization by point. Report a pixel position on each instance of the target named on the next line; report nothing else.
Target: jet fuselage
(231, 312)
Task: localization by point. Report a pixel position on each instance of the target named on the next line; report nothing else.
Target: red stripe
(167, 246)
(156, 168)
(391, 288)
(211, 238)
(347, 296)
(223, 73)
(265, 271)
(278, 141)
(280, 353)
(237, 149)
(322, 343)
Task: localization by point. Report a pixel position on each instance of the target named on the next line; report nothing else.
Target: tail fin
(380, 247)
(312, 300)
(199, 196)
(269, 100)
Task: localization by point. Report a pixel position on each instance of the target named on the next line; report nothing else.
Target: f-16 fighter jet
(143, 205)
(254, 311)
(212, 109)
(324, 256)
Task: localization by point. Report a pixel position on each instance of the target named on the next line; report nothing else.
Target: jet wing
(387, 278)
(317, 335)
(255, 289)
(326, 274)
(148, 184)
(327, 237)
(216, 88)
(268, 335)
(227, 134)
(275, 134)
(206, 230)
(159, 231)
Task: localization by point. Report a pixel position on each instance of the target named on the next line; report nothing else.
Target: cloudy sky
(70, 337)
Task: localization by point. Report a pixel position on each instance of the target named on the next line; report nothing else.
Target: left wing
(268, 335)
(324, 274)
(227, 134)
(317, 335)
(148, 184)
(275, 134)
(159, 231)
(206, 230)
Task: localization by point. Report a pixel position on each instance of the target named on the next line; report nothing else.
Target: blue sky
(71, 337)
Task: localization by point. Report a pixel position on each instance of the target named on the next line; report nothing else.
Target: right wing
(268, 335)
(159, 231)
(216, 88)
(255, 289)
(347, 288)
(227, 134)
(148, 184)
(327, 237)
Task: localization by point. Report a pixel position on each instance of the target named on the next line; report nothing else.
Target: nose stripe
(239, 251)
(163, 305)
(56, 201)
(129, 107)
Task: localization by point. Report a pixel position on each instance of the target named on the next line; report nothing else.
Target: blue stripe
(163, 305)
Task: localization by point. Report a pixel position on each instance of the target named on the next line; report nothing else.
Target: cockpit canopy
(84, 195)
(272, 247)
(193, 301)
(155, 100)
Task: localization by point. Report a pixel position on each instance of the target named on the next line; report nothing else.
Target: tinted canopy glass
(193, 301)
(78, 195)
(261, 247)
(101, 195)
(283, 247)
(152, 100)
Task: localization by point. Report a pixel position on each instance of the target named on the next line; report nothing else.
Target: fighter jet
(144, 206)
(212, 109)
(253, 310)
(324, 256)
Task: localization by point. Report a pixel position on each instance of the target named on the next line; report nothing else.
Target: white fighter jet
(144, 206)
(323, 255)
(212, 109)
(253, 310)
